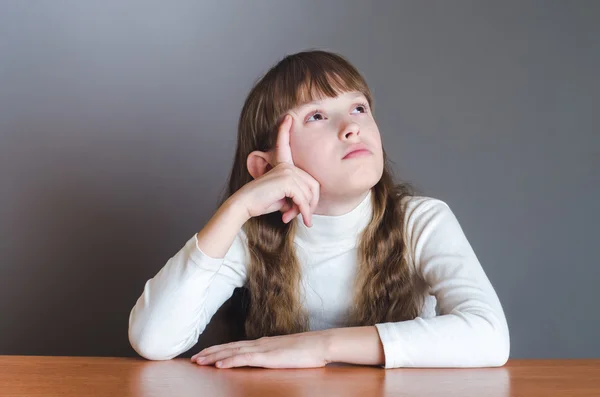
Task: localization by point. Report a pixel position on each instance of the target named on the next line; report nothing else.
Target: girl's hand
(302, 350)
(270, 191)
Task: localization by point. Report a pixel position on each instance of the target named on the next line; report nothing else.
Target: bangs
(321, 86)
(300, 79)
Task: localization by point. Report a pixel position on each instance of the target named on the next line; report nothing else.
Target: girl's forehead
(320, 99)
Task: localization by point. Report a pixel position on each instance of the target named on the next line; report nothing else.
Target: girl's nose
(350, 131)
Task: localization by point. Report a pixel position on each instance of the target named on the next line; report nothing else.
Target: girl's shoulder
(420, 211)
(414, 205)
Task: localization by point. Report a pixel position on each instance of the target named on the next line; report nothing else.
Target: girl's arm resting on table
(471, 330)
(177, 303)
(354, 345)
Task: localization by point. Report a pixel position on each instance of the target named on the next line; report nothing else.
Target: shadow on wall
(81, 264)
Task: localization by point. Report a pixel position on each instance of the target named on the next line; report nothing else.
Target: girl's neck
(328, 230)
(339, 205)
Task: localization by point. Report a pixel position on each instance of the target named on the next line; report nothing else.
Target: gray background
(118, 124)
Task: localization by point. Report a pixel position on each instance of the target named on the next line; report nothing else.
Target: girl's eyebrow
(316, 102)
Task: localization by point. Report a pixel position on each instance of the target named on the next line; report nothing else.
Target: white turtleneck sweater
(462, 323)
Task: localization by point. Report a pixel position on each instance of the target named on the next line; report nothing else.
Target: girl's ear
(258, 163)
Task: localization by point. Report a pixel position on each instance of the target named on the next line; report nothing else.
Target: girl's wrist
(354, 345)
(328, 342)
(235, 208)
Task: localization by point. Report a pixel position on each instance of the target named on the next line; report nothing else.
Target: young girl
(341, 264)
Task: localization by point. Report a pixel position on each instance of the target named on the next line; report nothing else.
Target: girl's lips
(357, 153)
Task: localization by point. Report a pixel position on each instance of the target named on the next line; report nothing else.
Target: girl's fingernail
(200, 360)
(219, 363)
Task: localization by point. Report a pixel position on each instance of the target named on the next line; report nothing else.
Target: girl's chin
(349, 189)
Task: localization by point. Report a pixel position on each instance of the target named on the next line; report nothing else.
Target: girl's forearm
(354, 345)
(216, 237)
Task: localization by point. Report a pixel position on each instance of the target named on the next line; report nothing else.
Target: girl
(341, 264)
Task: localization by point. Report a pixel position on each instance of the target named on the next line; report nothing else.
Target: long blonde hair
(386, 288)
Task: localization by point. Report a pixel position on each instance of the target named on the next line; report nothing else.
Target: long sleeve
(177, 303)
(471, 330)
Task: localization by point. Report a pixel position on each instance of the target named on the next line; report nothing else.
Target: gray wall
(118, 123)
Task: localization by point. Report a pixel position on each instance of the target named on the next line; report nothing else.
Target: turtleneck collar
(328, 229)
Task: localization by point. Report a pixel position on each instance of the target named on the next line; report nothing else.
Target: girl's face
(323, 136)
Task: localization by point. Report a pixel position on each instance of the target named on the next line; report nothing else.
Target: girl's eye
(317, 116)
(362, 106)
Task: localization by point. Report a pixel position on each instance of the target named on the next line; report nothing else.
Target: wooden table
(118, 377)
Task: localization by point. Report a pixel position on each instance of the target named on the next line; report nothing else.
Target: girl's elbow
(504, 352)
(148, 346)
(146, 349)
(500, 352)
(497, 338)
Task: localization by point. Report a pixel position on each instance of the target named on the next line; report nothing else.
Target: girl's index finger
(283, 151)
